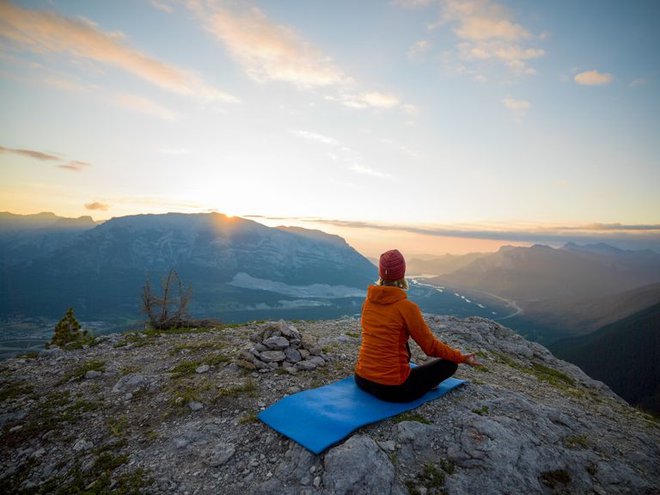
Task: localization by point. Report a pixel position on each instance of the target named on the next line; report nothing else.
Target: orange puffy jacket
(388, 320)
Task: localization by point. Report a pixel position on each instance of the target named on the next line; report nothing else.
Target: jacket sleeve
(421, 333)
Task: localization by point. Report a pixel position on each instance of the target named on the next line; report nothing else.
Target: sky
(430, 125)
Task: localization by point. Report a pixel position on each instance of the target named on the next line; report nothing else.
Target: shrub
(67, 332)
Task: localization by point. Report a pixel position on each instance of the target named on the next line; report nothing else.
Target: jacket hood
(385, 295)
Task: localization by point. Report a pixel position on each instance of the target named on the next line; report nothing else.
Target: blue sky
(410, 121)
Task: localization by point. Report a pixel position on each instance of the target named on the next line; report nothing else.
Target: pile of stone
(281, 345)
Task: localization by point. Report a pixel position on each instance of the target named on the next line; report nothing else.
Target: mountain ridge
(623, 354)
(170, 413)
(106, 266)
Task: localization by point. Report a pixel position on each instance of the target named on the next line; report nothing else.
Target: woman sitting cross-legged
(389, 319)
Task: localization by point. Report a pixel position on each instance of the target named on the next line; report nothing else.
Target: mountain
(177, 413)
(560, 287)
(623, 354)
(439, 265)
(45, 221)
(25, 237)
(231, 264)
(591, 313)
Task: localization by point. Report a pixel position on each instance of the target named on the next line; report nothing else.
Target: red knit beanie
(392, 266)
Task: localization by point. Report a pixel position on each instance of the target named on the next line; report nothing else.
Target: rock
(292, 355)
(387, 445)
(306, 365)
(276, 343)
(91, 374)
(358, 467)
(272, 356)
(130, 383)
(318, 360)
(195, 406)
(289, 331)
(220, 454)
(202, 369)
(82, 445)
(507, 430)
(38, 453)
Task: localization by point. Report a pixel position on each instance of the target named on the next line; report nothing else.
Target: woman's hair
(401, 283)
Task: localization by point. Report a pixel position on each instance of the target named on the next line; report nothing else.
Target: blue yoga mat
(321, 417)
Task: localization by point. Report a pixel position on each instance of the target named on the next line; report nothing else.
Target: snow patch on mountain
(326, 291)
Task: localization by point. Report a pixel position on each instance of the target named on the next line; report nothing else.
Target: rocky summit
(149, 412)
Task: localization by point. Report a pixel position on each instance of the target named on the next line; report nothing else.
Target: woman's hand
(471, 359)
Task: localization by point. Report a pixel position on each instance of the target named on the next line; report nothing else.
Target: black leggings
(421, 380)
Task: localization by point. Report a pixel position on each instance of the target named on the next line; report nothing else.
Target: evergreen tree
(67, 330)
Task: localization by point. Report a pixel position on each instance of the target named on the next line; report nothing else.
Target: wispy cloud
(518, 108)
(319, 138)
(593, 78)
(97, 206)
(418, 49)
(162, 6)
(644, 234)
(75, 166)
(372, 99)
(342, 154)
(642, 81)
(412, 4)
(48, 32)
(38, 155)
(271, 52)
(72, 165)
(361, 169)
(486, 32)
(145, 105)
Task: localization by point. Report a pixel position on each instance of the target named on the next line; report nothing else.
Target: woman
(388, 320)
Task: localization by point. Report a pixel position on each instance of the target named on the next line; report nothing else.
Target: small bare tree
(169, 308)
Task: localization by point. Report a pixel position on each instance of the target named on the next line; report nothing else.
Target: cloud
(319, 138)
(632, 235)
(487, 32)
(272, 52)
(38, 155)
(366, 100)
(418, 49)
(145, 105)
(44, 32)
(412, 4)
(97, 206)
(518, 108)
(72, 165)
(162, 6)
(378, 100)
(75, 166)
(639, 82)
(593, 78)
(361, 169)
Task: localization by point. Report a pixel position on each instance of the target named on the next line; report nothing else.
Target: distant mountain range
(26, 237)
(233, 265)
(573, 288)
(439, 265)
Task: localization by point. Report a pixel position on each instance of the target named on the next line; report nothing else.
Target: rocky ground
(176, 413)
